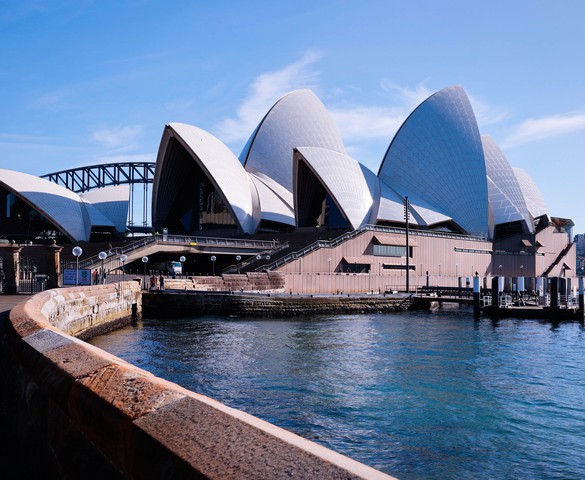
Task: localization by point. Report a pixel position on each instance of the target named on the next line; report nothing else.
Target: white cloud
(408, 98)
(264, 91)
(367, 122)
(118, 136)
(362, 123)
(55, 101)
(487, 114)
(536, 129)
(356, 122)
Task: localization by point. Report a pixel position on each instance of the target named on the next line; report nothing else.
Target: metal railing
(186, 240)
(263, 255)
(354, 233)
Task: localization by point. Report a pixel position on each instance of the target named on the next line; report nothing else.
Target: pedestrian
(162, 282)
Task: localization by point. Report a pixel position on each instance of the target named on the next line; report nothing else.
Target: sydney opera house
(468, 211)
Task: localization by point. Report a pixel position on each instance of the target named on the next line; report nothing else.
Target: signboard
(69, 276)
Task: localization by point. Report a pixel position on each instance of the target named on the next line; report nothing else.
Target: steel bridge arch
(83, 179)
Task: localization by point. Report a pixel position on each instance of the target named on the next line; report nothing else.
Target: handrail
(251, 260)
(354, 233)
(158, 239)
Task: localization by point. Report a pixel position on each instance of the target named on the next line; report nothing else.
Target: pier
(556, 305)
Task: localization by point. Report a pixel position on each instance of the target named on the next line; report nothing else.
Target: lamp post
(213, 259)
(182, 260)
(145, 261)
(123, 259)
(77, 251)
(102, 256)
(238, 258)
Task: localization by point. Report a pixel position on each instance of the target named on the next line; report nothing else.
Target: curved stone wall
(79, 412)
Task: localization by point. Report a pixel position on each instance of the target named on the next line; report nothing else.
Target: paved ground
(9, 455)
(8, 301)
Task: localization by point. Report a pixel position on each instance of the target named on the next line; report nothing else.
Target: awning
(395, 240)
(357, 260)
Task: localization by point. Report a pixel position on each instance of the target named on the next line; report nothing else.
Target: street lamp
(182, 260)
(77, 251)
(145, 261)
(123, 259)
(238, 258)
(103, 256)
(213, 259)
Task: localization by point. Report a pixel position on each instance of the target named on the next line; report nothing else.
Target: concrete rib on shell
(298, 119)
(112, 203)
(62, 207)
(437, 156)
(532, 195)
(221, 167)
(344, 179)
(505, 196)
(274, 208)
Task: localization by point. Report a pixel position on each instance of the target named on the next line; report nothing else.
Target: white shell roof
(532, 194)
(437, 156)
(111, 203)
(505, 195)
(222, 168)
(61, 206)
(392, 209)
(343, 178)
(391, 206)
(273, 207)
(298, 119)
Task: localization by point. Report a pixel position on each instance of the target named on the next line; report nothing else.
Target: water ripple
(419, 395)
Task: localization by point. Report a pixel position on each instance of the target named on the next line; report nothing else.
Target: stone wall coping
(149, 427)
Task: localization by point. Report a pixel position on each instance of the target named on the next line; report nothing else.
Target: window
(390, 251)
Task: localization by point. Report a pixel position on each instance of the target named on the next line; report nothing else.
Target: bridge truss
(83, 179)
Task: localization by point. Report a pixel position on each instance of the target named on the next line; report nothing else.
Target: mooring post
(554, 292)
(581, 303)
(496, 292)
(520, 290)
(476, 291)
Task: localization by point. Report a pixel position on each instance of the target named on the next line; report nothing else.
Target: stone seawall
(76, 411)
(173, 304)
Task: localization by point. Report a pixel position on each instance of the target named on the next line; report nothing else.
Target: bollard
(554, 292)
(581, 302)
(476, 292)
(495, 291)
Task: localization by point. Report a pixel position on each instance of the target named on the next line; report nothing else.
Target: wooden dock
(515, 305)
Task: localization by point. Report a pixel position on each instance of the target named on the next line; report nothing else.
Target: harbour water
(421, 395)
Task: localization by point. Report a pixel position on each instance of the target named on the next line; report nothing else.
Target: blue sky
(86, 82)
